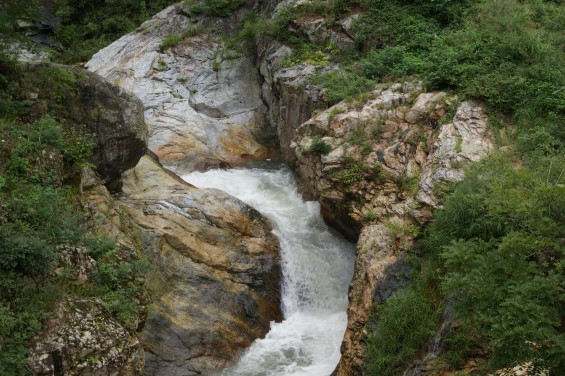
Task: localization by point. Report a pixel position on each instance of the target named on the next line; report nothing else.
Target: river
(317, 266)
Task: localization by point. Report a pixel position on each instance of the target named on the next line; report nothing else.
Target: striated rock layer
(202, 100)
(217, 263)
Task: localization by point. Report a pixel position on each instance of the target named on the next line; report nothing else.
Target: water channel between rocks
(317, 266)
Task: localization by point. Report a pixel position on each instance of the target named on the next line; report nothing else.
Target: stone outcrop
(84, 339)
(202, 100)
(288, 92)
(93, 106)
(390, 158)
(217, 264)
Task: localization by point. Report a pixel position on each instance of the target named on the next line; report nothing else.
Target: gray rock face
(202, 100)
(217, 267)
(288, 92)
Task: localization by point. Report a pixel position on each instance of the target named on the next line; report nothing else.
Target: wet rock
(217, 267)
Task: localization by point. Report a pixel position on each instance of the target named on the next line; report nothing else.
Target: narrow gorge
(207, 106)
(272, 219)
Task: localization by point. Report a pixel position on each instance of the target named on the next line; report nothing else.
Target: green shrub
(391, 62)
(352, 172)
(319, 147)
(339, 85)
(87, 27)
(218, 8)
(499, 236)
(39, 212)
(513, 48)
(170, 42)
(21, 254)
(192, 30)
(405, 322)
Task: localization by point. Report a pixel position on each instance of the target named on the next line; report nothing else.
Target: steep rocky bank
(215, 283)
(389, 160)
(218, 264)
(111, 116)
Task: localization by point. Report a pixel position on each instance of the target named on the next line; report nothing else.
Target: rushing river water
(317, 265)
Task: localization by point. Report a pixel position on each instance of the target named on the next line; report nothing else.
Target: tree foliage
(500, 238)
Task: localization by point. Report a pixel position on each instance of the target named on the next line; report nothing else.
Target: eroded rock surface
(389, 161)
(202, 100)
(84, 339)
(218, 265)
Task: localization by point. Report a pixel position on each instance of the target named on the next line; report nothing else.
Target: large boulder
(217, 266)
(202, 99)
(89, 104)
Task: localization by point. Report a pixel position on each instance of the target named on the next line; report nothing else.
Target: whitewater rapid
(317, 266)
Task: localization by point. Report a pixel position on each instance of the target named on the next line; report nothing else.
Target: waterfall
(317, 266)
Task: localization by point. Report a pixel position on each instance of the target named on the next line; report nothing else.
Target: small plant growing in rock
(170, 42)
(370, 216)
(192, 30)
(402, 230)
(333, 113)
(377, 173)
(377, 129)
(162, 65)
(357, 136)
(218, 8)
(319, 147)
(458, 144)
(352, 173)
(366, 149)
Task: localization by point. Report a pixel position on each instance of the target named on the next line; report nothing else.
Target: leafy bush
(38, 214)
(89, 26)
(352, 172)
(405, 323)
(118, 283)
(500, 239)
(21, 255)
(219, 8)
(510, 56)
(391, 61)
(170, 42)
(319, 147)
(339, 85)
